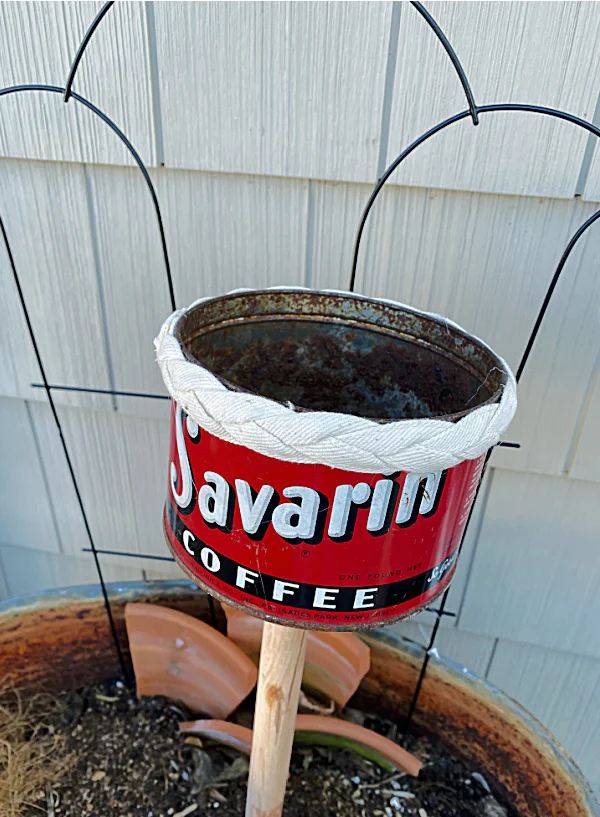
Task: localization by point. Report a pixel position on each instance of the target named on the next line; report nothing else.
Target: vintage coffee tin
(305, 543)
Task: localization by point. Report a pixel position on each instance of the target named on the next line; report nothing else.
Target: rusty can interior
(338, 352)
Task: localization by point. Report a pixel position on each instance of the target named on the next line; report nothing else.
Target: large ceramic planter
(60, 640)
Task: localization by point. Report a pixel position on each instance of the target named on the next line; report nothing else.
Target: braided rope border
(322, 437)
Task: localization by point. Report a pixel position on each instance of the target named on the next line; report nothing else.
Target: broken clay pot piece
(323, 731)
(229, 734)
(316, 730)
(335, 664)
(182, 658)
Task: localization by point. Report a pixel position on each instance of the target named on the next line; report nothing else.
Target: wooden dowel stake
(280, 673)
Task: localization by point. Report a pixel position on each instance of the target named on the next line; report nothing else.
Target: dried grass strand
(32, 755)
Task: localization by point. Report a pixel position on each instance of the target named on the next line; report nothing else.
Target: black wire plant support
(473, 111)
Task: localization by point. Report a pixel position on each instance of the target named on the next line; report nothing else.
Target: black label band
(301, 595)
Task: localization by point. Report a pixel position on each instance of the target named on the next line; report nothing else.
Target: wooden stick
(280, 673)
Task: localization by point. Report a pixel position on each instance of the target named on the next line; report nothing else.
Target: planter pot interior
(60, 640)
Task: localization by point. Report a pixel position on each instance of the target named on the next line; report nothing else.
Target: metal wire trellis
(473, 111)
(83, 45)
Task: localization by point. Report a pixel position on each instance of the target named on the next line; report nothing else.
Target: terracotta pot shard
(379, 749)
(317, 730)
(229, 734)
(336, 662)
(182, 658)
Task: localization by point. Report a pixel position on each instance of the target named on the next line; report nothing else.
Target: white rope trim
(323, 437)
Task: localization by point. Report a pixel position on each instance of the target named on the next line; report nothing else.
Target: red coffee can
(325, 451)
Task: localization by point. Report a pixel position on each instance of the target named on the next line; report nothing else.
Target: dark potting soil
(129, 760)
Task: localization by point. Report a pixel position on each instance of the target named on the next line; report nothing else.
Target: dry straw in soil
(32, 756)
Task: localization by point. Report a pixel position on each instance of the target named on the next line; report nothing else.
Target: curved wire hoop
(431, 22)
(47, 388)
(550, 291)
(473, 110)
(537, 109)
(508, 106)
(56, 89)
(83, 45)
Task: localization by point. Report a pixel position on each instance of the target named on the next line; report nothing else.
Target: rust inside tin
(336, 352)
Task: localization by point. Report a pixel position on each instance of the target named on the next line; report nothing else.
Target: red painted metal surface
(310, 545)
